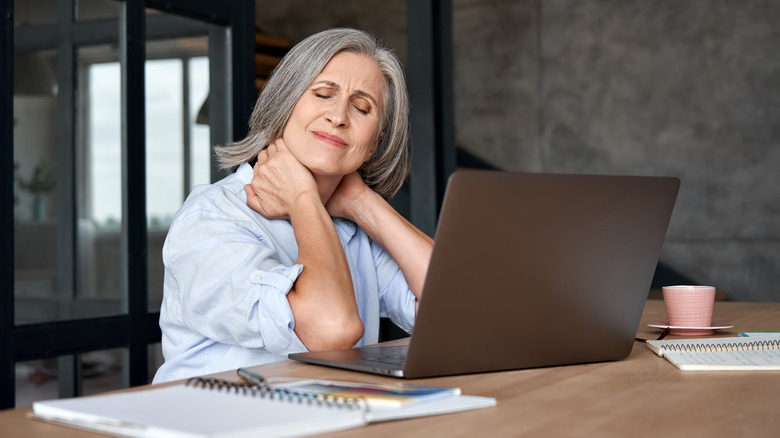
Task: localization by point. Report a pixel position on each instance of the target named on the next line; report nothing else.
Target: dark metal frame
(136, 329)
(429, 69)
(7, 341)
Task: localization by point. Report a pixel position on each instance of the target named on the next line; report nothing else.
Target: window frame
(86, 144)
(137, 328)
(429, 68)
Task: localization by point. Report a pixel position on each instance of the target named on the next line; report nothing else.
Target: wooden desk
(643, 395)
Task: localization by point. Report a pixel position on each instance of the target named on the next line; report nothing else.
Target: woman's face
(334, 127)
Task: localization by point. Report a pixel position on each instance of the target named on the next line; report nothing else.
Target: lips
(330, 139)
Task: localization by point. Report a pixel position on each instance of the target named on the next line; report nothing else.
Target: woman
(298, 249)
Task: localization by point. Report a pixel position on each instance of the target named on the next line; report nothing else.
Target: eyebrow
(358, 92)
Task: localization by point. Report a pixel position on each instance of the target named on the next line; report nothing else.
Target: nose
(338, 113)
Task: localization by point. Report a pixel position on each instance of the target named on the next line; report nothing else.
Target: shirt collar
(245, 172)
(345, 228)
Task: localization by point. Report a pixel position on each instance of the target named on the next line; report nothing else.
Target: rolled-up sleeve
(274, 319)
(231, 286)
(397, 301)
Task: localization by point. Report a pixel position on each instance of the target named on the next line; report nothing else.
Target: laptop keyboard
(393, 360)
(394, 355)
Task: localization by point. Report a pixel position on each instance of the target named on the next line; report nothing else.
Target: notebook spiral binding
(731, 346)
(284, 395)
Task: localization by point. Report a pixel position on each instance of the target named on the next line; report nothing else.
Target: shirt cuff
(280, 277)
(274, 315)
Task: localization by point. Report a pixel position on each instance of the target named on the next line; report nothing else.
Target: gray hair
(387, 169)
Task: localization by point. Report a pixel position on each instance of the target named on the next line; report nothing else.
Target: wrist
(363, 206)
(305, 203)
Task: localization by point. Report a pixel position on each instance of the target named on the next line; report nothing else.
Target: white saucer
(689, 331)
(665, 325)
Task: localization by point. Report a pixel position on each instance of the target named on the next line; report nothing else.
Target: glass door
(109, 136)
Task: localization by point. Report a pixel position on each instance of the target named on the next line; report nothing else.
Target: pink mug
(689, 307)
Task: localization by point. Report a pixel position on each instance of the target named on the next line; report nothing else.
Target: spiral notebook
(721, 354)
(205, 407)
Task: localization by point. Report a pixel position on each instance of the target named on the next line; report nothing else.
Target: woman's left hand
(343, 201)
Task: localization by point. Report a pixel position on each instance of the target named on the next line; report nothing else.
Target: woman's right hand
(279, 178)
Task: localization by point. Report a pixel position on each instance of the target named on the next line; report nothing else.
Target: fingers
(273, 149)
(269, 151)
(279, 145)
(252, 200)
(277, 181)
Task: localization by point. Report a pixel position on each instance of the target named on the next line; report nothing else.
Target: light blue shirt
(228, 270)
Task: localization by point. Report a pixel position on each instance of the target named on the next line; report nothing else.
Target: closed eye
(361, 104)
(324, 92)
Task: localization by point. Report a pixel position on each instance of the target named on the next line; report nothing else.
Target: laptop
(529, 270)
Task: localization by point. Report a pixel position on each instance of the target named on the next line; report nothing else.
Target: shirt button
(257, 275)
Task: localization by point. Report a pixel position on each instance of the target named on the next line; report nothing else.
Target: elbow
(342, 335)
(349, 336)
(335, 334)
(323, 326)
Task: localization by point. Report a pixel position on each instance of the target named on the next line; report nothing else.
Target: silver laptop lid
(533, 270)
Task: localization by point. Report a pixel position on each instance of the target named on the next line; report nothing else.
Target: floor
(33, 383)
(100, 372)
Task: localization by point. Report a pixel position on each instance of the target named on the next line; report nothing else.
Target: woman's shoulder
(224, 198)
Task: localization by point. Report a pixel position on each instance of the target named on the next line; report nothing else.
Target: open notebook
(755, 353)
(207, 407)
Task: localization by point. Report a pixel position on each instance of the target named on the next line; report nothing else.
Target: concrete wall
(688, 88)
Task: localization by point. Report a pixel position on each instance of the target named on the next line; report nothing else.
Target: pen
(255, 378)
